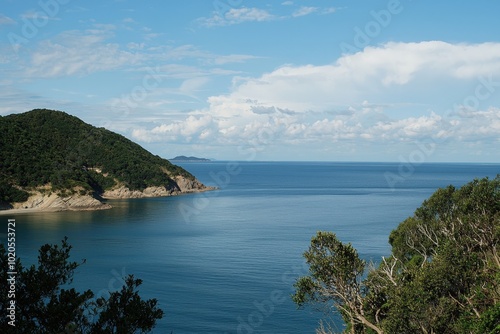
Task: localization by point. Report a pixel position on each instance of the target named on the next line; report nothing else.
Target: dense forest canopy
(443, 275)
(46, 147)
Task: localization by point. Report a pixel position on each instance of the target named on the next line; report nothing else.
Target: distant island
(51, 160)
(183, 158)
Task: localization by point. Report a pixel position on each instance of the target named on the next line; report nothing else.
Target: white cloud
(204, 57)
(128, 20)
(192, 127)
(191, 86)
(329, 10)
(336, 102)
(135, 46)
(181, 71)
(480, 123)
(38, 17)
(302, 11)
(85, 52)
(408, 128)
(6, 20)
(237, 16)
(248, 14)
(390, 70)
(234, 58)
(77, 53)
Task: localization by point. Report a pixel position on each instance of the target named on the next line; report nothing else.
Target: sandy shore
(8, 212)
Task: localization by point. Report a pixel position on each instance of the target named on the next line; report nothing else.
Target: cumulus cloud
(483, 124)
(362, 96)
(387, 71)
(198, 127)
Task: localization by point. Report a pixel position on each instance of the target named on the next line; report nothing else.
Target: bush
(43, 306)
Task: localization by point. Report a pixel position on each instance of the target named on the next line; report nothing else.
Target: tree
(443, 275)
(125, 311)
(336, 273)
(43, 306)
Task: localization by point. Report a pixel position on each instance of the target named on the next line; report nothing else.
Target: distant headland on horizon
(189, 159)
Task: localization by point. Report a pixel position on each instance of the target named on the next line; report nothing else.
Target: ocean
(225, 261)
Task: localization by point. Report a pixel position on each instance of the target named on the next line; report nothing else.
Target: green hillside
(46, 147)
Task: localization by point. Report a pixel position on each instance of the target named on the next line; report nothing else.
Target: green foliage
(335, 278)
(333, 266)
(43, 147)
(125, 311)
(44, 307)
(490, 321)
(11, 194)
(443, 275)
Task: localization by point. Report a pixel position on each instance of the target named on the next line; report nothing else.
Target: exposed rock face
(124, 192)
(40, 200)
(54, 202)
(190, 186)
(182, 186)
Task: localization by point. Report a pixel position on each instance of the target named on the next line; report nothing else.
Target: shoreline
(39, 210)
(104, 206)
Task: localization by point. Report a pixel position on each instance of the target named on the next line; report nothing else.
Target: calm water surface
(225, 261)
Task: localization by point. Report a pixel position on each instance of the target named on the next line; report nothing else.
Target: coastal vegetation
(443, 275)
(39, 300)
(51, 151)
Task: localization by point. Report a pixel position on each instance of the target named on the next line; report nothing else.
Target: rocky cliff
(54, 202)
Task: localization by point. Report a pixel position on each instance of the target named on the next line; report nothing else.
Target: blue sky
(325, 80)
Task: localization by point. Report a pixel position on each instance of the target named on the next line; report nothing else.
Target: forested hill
(60, 152)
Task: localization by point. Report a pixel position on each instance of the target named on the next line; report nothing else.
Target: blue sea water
(225, 261)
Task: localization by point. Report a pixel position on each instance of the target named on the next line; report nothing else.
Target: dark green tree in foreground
(443, 275)
(44, 307)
